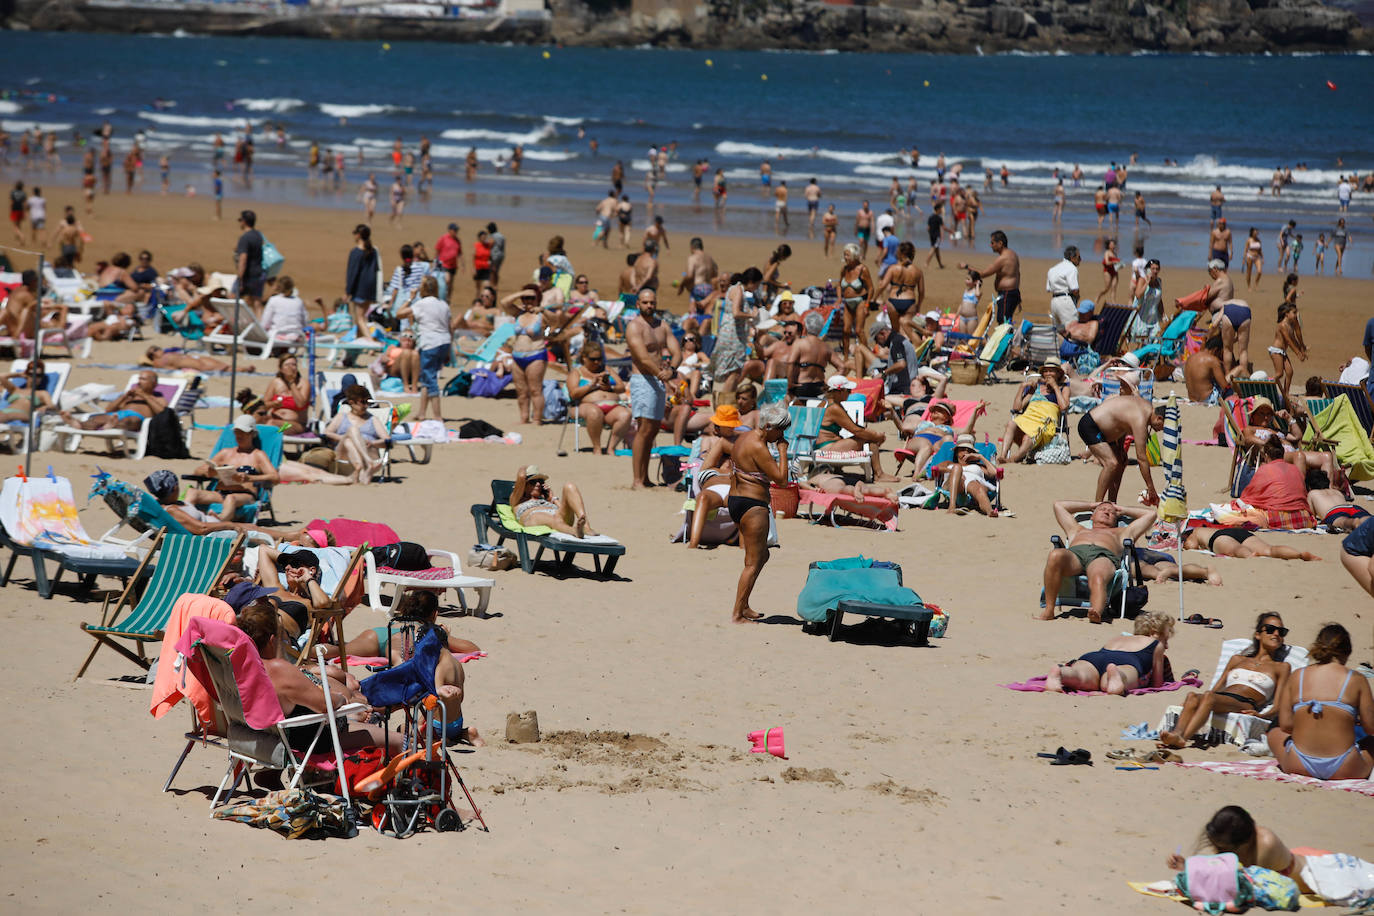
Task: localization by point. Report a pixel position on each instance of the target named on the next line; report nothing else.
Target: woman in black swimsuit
(905, 287)
(748, 503)
(1124, 663)
(1240, 543)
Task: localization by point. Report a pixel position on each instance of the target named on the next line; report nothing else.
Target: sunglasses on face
(1271, 629)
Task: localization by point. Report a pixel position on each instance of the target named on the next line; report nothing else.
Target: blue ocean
(841, 118)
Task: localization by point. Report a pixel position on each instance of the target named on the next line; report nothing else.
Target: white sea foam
(274, 105)
(104, 111)
(544, 132)
(360, 111)
(486, 154)
(162, 117)
(732, 148)
(8, 107)
(30, 125)
(570, 122)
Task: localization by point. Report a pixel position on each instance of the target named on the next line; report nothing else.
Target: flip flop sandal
(1122, 754)
(1162, 756)
(1195, 618)
(1191, 672)
(1066, 758)
(1214, 623)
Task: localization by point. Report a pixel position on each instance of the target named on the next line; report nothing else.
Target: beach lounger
(141, 512)
(860, 458)
(774, 392)
(858, 585)
(1074, 591)
(224, 659)
(496, 518)
(185, 564)
(1359, 400)
(1112, 322)
(1170, 344)
(38, 520)
(445, 572)
(1259, 388)
(121, 440)
(248, 335)
(1236, 727)
(17, 432)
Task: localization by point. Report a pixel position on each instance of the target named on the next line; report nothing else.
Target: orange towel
(173, 683)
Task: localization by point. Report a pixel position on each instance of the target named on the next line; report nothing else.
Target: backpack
(459, 385)
(404, 555)
(478, 429)
(165, 438)
(555, 401)
(1215, 884)
(487, 384)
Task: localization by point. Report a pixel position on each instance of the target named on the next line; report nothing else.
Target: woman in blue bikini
(1125, 663)
(1319, 710)
(1234, 320)
(529, 352)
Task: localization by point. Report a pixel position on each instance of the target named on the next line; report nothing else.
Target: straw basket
(785, 499)
(966, 372)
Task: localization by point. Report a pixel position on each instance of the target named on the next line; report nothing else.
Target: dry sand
(912, 782)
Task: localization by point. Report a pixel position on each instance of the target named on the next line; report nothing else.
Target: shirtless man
(604, 211)
(1114, 197)
(21, 299)
(863, 229)
(1220, 290)
(699, 273)
(1204, 375)
(139, 403)
(1094, 552)
(1338, 515)
(1103, 430)
(1219, 243)
(1006, 267)
(811, 357)
(648, 337)
(645, 272)
(1217, 199)
(627, 276)
(780, 221)
(779, 355)
(67, 237)
(812, 193)
(159, 358)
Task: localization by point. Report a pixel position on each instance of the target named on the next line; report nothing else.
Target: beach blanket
(826, 588)
(349, 532)
(1269, 770)
(1240, 514)
(873, 508)
(1167, 890)
(1037, 685)
(41, 512)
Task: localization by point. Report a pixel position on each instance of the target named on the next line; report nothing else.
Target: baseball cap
(244, 424)
(453, 226)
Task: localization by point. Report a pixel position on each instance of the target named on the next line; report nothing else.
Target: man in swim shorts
(1217, 199)
(1006, 267)
(863, 229)
(699, 273)
(130, 409)
(649, 339)
(1095, 552)
(1104, 430)
(1219, 243)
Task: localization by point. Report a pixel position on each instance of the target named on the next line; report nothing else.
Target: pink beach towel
(1269, 770)
(261, 708)
(352, 533)
(872, 508)
(1037, 685)
(173, 680)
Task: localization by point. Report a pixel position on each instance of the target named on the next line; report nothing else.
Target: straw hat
(1262, 402)
(1054, 363)
(726, 415)
(532, 472)
(840, 383)
(967, 441)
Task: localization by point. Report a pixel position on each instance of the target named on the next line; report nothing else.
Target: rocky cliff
(941, 26)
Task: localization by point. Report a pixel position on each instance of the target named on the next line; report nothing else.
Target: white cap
(245, 424)
(1131, 360)
(839, 382)
(933, 315)
(1259, 376)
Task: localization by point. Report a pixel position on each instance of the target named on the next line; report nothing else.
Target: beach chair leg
(922, 629)
(9, 568)
(483, 599)
(837, 616)
(94, 649)
(190, 743)
(40, 576)
(523, 544)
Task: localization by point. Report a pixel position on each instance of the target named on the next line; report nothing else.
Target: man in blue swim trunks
(139, 403)
(699, 273)
(649, 341)
(1357, 554)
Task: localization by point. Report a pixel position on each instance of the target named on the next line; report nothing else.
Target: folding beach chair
(1359, 399)
(860, 458)
(496, 518)
(1042, 342)
(1352, 449)
(185, 564)
(1112, 322)
(248, 335)
(945, 453)
(1170, 344)
(490, 347)
(996, 351)
(224, 659)
(1259, 388)
(327, 623)
(119, 440)
(1075, 593)
(139, 510)
(38, 520)
(270, 441)
(1244, 459)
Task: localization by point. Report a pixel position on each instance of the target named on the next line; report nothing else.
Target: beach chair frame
(1073, 591)
(488, 523)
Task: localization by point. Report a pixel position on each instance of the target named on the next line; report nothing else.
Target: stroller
(414, 790)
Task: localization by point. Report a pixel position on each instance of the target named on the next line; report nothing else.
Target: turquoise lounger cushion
(826, 588)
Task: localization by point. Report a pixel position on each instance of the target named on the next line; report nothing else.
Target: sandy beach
(912, 782)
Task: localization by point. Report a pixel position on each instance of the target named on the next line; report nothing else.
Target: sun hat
(941, 405)
(1131, 359)
(1054, 363)
(933, 315)
(840, 383)
(726, 415)
(532, 472)
(1261, 401)
(786, 296)
(244, 424)
(965, 440)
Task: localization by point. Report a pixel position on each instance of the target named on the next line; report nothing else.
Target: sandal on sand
(1212, 623)
(1121, 754)
(1067, 758)
(1161, 755)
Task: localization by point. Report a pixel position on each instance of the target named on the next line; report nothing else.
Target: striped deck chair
(1359, 400)
(1259, 388)
(1042, 342)
(186, 563)
(327, 623)
(1112, 322)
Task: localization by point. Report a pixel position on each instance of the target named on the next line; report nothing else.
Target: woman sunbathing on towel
(836, 420)
(1242, 544)
(1232, 829)
(301, 692)
(1125, 663)
(1248, 684)
(534, 504)
(1319, 710)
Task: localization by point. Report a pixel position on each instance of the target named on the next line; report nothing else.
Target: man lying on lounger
(1094, 552)
(130, 409)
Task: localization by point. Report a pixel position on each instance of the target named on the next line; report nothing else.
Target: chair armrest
(315, 718)
(445, 555)
(199, 478)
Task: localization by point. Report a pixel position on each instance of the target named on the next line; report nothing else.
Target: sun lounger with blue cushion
(858, 585)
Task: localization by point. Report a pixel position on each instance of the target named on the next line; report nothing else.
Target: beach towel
(1240, 514)
(1269, 770)
(873, 508)
(261, 708)
(174, 682)
(41, 512)
(1037, 685)
(1166, 890)
(1353, 449)
(826, 588)
(349, 532)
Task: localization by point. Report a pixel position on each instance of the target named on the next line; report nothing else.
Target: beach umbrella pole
(234, 359)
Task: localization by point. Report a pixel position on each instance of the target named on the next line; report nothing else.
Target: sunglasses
(1271, 629)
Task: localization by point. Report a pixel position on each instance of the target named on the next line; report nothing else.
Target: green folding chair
(1259, 388)
(186, 564)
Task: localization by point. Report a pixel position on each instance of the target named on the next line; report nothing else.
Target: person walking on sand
(749, 503)
(605, 210)
(1219, 243)
(368, 195)
(863, 229)
(648, 339)
(398, 200)
(1006, 267)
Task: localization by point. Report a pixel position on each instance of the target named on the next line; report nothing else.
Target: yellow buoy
(926, 84)
(710, 63)
(763, 76)
(386, 46)
(546, 55)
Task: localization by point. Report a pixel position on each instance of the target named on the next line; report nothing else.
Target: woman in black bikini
(905, 287)
(1249, 683)
(1242, 544)
(748, 502)
(856, 290)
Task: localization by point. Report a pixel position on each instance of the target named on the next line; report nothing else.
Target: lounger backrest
(1296, 656)
(186, 563)
(1112, 321)
(501, 491)
(1259, 388)
(1359, 399)
(1183, 323)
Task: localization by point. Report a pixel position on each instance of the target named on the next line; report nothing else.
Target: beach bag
(478, 429)
(1340, 879)
(272, 260)
(1087, 361)
(555, 401)
(320, 456)
(165, 438)
(1056, 451)
(485, 556)
(359, 763)
(939, 624)
(405, 555)
(1272, 890)
(459, 385)
(1215, 884)
(487, 384)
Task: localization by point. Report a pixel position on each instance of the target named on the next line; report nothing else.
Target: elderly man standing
(1220, 289)
(648, 337)
(1061, 282)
